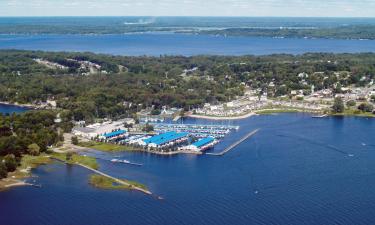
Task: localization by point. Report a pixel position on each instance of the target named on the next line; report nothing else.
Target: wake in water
(314, 142)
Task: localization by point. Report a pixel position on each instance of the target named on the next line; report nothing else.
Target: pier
(235, 144)
(116, 179)
(108, 176)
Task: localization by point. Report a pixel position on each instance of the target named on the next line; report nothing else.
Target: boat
(125, 162)
(320, 116)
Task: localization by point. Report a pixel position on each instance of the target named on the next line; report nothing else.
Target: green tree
(3, 170)
(366, 107)
(69, 156)
(10, 162)
(350, 103)
(33, 149)
(148, 128)
(75, 140)
(338, 106)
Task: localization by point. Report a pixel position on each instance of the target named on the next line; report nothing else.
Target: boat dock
(234, 144)
(198, 130)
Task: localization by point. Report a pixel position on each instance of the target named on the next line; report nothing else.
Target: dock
(198, 130)
(252, 133)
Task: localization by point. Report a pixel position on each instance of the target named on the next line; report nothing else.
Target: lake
(155, 44)
(296, 170)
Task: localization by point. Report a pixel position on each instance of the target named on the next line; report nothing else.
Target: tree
(69, 156)
(148, 128)
(350, 103)
(33, 149)
(366, 107)
(338, 106)
(155, 112)
(373, 98)
(10, 162)
(75, 140)
(3, 170)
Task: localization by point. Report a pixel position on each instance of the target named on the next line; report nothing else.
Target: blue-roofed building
(203, 142)
(165, 139)
(114, 134)
(201, 145)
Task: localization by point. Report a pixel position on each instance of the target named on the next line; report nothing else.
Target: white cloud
(343, 8)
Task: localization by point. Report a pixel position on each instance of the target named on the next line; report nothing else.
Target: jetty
(116, 179)
(235, 144)
(108, 176)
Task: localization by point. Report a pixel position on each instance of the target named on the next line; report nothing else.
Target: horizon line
(196, 16)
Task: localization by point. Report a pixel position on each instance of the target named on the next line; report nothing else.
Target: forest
(27, 133)
(133, 83)
(342, 32)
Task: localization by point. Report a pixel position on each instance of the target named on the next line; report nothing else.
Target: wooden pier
(234, 144)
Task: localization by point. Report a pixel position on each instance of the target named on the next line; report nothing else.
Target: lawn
(77, 159)
(107, 147)
(354, 112)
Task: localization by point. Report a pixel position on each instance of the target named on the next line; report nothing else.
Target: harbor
(163, 138)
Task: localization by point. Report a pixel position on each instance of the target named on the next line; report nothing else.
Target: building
(85, 132)
(201, 145)
(113, 135)
(165, 139)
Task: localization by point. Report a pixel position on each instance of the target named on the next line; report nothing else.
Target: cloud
(342, 8)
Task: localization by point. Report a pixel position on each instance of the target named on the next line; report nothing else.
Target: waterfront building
(200, 145)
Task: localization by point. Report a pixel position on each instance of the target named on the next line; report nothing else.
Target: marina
(165, 138)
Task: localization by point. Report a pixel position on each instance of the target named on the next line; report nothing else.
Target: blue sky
(300, 8)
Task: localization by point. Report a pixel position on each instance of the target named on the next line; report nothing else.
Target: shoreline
(29, 106)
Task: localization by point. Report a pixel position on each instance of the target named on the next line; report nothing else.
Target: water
(296, 170)
(12, 109)
(155, 44)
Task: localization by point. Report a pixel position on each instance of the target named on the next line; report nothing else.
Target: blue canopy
(114, 134)
(203, 142)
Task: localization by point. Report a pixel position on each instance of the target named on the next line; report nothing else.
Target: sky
(251, 8)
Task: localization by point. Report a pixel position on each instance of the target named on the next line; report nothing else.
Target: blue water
(156, 44)
(8, 109)
(296, 170)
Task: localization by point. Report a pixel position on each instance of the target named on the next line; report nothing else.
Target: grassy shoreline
(353, 113)
(76, 159)
(23, 171)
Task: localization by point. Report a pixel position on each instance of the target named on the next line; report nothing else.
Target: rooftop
(203, 142)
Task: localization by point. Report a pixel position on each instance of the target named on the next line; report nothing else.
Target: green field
(107, 147)
(77, 159)
(354, 112)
